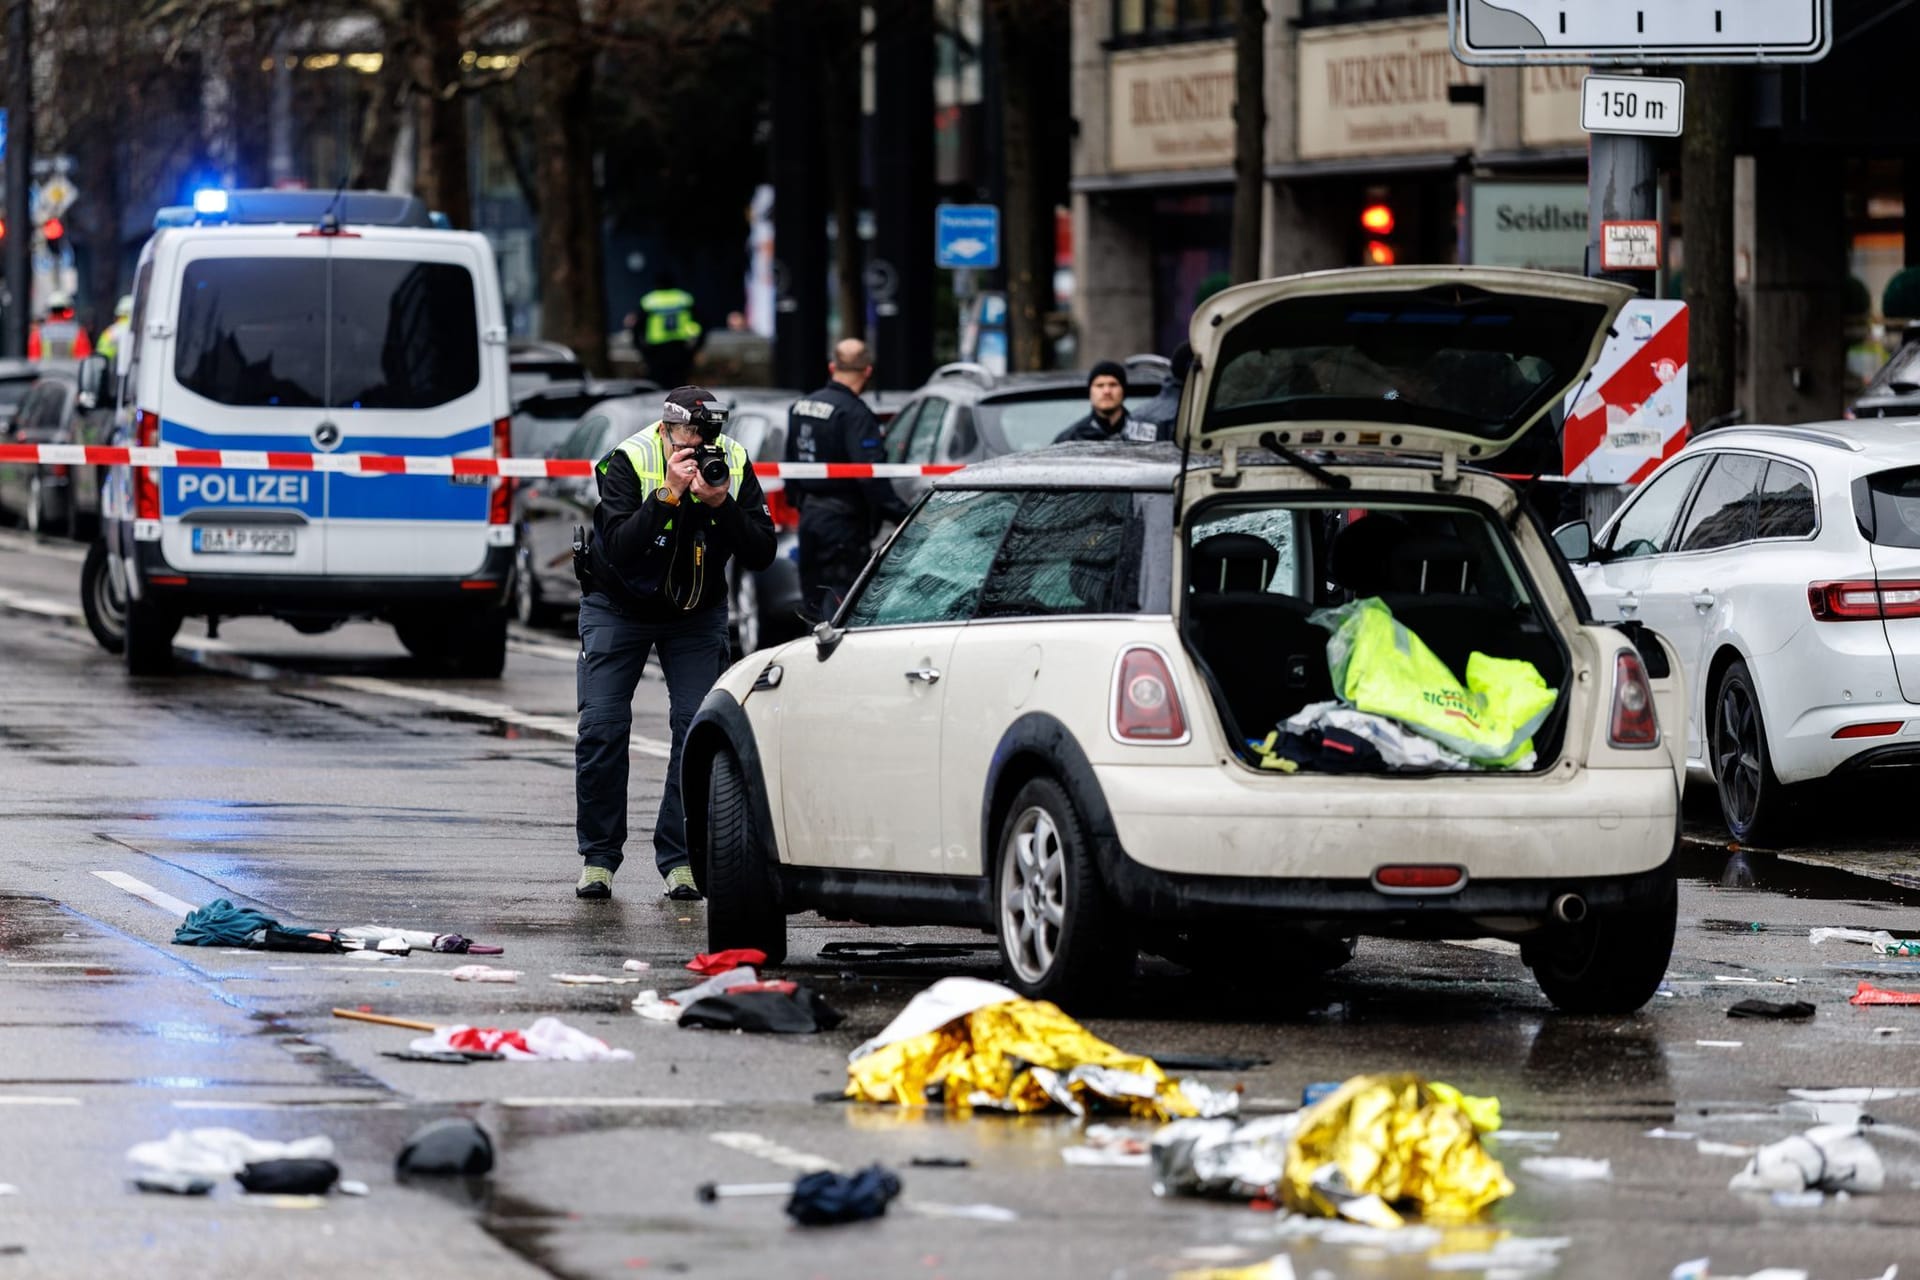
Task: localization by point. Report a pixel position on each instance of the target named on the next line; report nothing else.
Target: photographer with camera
(677, 501)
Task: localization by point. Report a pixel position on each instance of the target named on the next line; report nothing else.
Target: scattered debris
(455, 1057)
(940, 1162)
(1788, 1011)
(822, 1198)
(452, 1147)
(221, 924)
(1527, 1137)
(349, 1187)
(1878, 940)
(1708, 1147)
(1106, 1146)
(1719, 1044)
(289, 1177)
(976, 1044)
(483, 973)
(636, 966)
(1870, 994)
(707, 964)
(1828, 1158)
(1569, 1168)
(1674, 1134)
(783, 1008)
(880, 951)
(547, 1040)
(221, 1153)
(1209, 1062)
(174, 1183)
(589, 980)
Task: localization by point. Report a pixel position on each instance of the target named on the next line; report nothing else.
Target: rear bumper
(241, 595)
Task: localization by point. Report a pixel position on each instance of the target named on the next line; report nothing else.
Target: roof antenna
(330, 220)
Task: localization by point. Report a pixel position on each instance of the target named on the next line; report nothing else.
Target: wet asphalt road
(327, 781)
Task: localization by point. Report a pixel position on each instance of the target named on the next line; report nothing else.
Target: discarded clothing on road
(289, 1177)
(795, 1011)
(707, 965)
(1835, 1157)
(453, 1147)
(1380, 667)
(547, 1040)
(1881, 942)
(1375, 1149)
(1867, 993)
(658, 1008)
(221, 924)
(370, 935)
(222, 1153)
(973, 1044)
(1788, 1011)
(827, 1198)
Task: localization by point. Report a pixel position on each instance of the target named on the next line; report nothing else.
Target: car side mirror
(91, 378)
(1575, 541)
(825, 637)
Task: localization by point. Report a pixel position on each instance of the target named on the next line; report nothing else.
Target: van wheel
(1753, 802)
(742, 909)
(103, 598)
(1611, 962)
(530, 606)
(149, 638)
(1061, 937)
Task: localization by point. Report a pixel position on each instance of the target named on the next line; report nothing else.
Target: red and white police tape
(75, 455)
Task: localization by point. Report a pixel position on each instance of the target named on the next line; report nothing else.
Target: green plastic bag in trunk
(1380, 667)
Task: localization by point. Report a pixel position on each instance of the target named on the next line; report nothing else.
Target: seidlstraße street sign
(1640, 32)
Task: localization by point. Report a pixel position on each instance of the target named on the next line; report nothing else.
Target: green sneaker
(595, 882)
(680, 885)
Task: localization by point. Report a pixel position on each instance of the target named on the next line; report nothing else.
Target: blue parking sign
(966, 235)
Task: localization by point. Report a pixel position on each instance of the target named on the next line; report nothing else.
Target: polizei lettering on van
(251, 488)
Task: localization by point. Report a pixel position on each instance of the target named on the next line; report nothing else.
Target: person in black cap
(1109, 420)
(677, 501)
(838, 518)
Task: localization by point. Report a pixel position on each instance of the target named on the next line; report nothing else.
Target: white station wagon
(1045, 708)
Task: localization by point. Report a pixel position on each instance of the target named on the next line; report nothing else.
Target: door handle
(1703, 599)
(1629, 603)
(924, 675)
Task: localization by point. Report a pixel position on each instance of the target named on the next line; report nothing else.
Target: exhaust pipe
(1569, 908)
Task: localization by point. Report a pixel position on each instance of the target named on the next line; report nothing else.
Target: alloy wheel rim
(1033, 894)
(523, 588)
(748, 623)
(1737, 755)
(107, 600)
(35, 497)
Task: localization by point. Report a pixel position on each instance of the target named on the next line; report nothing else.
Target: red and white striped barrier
(1630, 415)
(75, 455)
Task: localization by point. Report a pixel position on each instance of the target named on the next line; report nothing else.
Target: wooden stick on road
(410, 1025)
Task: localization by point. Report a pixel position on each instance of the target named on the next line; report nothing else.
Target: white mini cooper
(1042, 709)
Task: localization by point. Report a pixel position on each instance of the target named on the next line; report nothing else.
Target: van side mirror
(91, 378)
(1575, 541)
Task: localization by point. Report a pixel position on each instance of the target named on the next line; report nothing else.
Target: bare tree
(1706, 157)
(1249, 136)
(1033, 42)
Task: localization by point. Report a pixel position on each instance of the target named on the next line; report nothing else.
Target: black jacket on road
(835, 425)
(655, 561)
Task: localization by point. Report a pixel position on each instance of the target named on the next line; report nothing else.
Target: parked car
(1894, 392)
(55, 497)
(1037, 712)
(966, 413)
(1784, 565)
(547, 415)
(761, 606)
(532, 363)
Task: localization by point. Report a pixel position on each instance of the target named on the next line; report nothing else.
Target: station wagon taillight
(500, 504)
(1864, 600)
(146, 484)
(1633, 723)
(1146, 706)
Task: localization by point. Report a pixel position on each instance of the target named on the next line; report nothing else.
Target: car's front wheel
(742, 910)
(103, 599)
(1611, 962)
(1061, 937)
(1753, 802)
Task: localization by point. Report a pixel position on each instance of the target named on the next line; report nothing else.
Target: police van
(310, 323)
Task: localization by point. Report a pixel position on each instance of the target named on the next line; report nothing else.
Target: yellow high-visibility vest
(669, 315)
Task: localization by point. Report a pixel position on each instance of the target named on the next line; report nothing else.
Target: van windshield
(263, 332)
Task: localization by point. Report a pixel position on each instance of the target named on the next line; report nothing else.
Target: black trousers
(613, 653)
(835, 545)
(669, 363)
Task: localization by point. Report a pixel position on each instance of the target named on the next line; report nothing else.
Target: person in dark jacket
(1165, 405)
(655, 580)
(1109, 419)
(838, 518)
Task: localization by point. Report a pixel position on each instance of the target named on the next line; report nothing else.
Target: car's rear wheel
(149, 638)
(530, 606)
(1753, 802)
(742, 909)
(103, 599)
(1611, 962)
(1061, 937)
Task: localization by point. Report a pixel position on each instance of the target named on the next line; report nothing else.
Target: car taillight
(1146, 706)
(146, 485)
(1633, 723)
(1863, 600)
(500, 505)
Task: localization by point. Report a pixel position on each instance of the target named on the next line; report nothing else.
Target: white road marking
(543, 649)
(35, 1100)
(665, 1104)
(141, 889)
(26, 542)
(446, 700)
(52, 964)
(39, 606)
(336, 1104)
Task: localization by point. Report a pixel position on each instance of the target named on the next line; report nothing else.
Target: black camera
(707, 418)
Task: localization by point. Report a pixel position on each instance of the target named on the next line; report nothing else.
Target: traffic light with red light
(1377, 220)
(53, 229)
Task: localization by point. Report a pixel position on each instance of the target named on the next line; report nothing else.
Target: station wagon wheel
(1061, 936)
(1752, 800)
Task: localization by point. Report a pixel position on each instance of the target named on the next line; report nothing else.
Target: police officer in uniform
(838, 518)
(59, 336)
(668, 333)
(654, 578)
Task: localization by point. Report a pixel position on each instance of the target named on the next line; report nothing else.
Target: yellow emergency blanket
(1412, 1144)
(1015, 1055)
(1380, 667)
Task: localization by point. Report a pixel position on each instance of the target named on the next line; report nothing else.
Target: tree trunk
(1249, 137)
(1033, 47)
(840, 33)
(385, 99)
(572, 284)
(1706, 157)
(442, 178)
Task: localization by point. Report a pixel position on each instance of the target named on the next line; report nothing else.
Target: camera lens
(715, 471)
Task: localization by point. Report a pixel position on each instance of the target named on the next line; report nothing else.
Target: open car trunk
(1259, 566)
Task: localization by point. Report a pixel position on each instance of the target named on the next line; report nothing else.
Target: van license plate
(259, 542)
